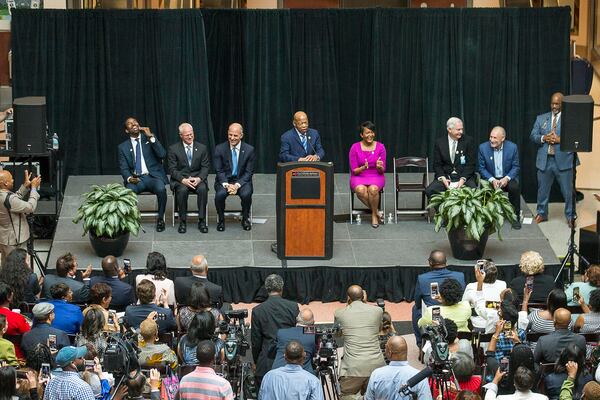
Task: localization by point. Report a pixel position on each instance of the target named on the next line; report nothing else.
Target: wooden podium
(305, 211)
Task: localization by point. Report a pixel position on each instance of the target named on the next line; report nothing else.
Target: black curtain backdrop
(408, 70)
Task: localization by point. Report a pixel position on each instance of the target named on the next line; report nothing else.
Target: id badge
(463, 160)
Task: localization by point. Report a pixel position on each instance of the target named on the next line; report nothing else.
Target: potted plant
(109, 213)
(470, 216)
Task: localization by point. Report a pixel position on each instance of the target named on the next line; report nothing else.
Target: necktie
(138, 157)
(453, 151)
(551, 149)
(304, 143)
(188, 152)
(234, 160)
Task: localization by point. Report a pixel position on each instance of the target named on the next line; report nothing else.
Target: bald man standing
(14, 229)
(303, 333)
(301, 143)
(234, 167)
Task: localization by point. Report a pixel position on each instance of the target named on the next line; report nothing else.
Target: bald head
(110, 266)
(556, 102)
(301, 121)
(235, 133)
(396, 348)
(437, 259)
(305, 317)
(199, 265)
(562, 318)
(6, 180)
(354, 293)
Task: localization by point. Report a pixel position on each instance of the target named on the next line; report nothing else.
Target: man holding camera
(146, 293)
(360, 324)
(122, 292)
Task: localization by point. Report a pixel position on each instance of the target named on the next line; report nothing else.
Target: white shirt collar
(236, 147)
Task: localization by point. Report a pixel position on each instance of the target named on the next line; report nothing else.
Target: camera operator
(14, 228)
(305, 319)
(385, 381)
(291, 381)
(360, 324)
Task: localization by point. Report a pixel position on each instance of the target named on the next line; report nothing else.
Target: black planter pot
(109, 247)
(465, 248)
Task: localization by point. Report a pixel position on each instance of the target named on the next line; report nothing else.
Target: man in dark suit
(439, 273)
(123, 293)
(234, 166)
(499, 165)
(66, 272)
(140, 161)
(454, 158)
(549, 347)
(267, 318)
(183, 284)
(301, 143)
(135, 314)
(188, 166)
(284, 336)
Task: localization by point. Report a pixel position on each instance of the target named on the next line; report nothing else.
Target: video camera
(120, 356)
(234, 327)
(326, 346)
(439, 345)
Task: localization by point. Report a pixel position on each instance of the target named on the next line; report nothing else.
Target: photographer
(486, 288)
(521, 356)
(507, 333)
(284, 336)
(135, 314)
(524, 380)
(65, 383)
(122, 292)
(452, 307)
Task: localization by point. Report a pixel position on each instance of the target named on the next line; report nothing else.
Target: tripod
(326, 371)
(442, 379)
(35, 258)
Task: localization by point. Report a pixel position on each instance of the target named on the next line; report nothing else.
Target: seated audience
(524, 380)
(463, 367)
(467, 395)
(146, 293)
(122, 293)
(591, 282)
(66, 383)
(451, 306)
(542, 321)
(203, 382)
(521, 356)
(152, 352)
(17, 324)
(201, 328)
(549, 346)
(387, 331)
(7, 348)
(490, 311)
(94, 377)
(66, 272)
(591, 390)
(43, 314)
(136, 385)
(11, 386)
(590, 321)
(92, 331)
(507, 332)
(199, 269)
(156, 272)
(100, 298)
(68, 317)
(291, 381)
(554, 381)
(198, 301)
(284, 335)
(532, 264)
(455, 345)
(486, 288)
(385, 381)
(18, 275)
(40, 354)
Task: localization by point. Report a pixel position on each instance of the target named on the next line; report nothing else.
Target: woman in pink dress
(367, 168)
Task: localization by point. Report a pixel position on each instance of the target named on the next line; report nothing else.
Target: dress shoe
(571, 222)
(182, 227)
(202, 226)
(539, 219)
(160, 225)
(516, 225)
(246, 225)
(221, 226)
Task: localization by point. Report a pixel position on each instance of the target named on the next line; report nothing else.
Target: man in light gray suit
(360, 324)
(66, 272)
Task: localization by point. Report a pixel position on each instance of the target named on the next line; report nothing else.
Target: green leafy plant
(109, 210)
(475, 209)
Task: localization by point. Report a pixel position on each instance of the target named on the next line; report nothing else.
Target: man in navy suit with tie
(499, 165)
(234, 166)
(188, 165)
(140, 162)
(551, 162)
(301, 143)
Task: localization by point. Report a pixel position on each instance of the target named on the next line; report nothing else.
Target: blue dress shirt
(385, 382)
(67, 317)
(290, 382)
(499, 172)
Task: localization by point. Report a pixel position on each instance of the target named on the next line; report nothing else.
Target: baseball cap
(68, 354)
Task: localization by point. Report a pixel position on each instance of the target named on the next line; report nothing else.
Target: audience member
(183, 284)
(100, 298)
(532, 264)
(7, 348)
(490, 311)
(267, 318)
(92, 331)
(136, 384)
(549, 346)
(307, 339)
(43, 314)
(507, 332)
(17, 324)
(590, 282)
(554, 381)
(152, 352)
(203, 382)
(291, 381)
(135, 314)
(590, 321)
(68, 317)
(451, 306)
(156, 272)
(386, 331)
(122, 292)
(18, 275)
(467, 395)
(486, 288)
(385, 381)
(521, 356)
(524, 380)
(201, 328)
(198, 301)
(66, 383)
(100, 386)
(360, 324)
(66, 272)
(8, 383)
(425, 283)
(463, 367)
(591, 390)
(542, 321)
(40, 354)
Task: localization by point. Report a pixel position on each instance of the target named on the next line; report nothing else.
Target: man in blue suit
(439, 272)
(551, 162)
(285, 335)
(499, 165)
(301, 143)
(123, 294)
(140, 161)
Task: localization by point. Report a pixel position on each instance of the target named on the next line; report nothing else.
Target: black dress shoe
(516, 225)
(246, 225)
(221, 226)
(202, 226)
(182, 227)
(160, 225)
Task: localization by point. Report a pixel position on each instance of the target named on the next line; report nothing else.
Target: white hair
(452, 121)
(185, 125)
(500, 130)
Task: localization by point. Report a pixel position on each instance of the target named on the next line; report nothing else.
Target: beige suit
(15, 234)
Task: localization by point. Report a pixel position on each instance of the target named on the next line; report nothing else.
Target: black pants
(436, 187)
(245, 193)
(514, 195)
(150, 184)
(181, 199)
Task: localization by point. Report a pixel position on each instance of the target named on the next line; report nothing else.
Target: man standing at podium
(301, 143)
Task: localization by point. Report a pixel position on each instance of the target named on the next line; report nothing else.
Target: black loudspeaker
(30, 125)
(576, 123)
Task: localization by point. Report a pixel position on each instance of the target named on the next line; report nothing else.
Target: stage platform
(239, 258)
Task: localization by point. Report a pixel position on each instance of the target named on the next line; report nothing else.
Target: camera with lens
(120, 356)
(440, 350)
(234, 327)
(326, 346)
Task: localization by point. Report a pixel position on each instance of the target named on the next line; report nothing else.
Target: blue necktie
(304, 143)
(138, 157)
(188, 152)
(234, 160)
